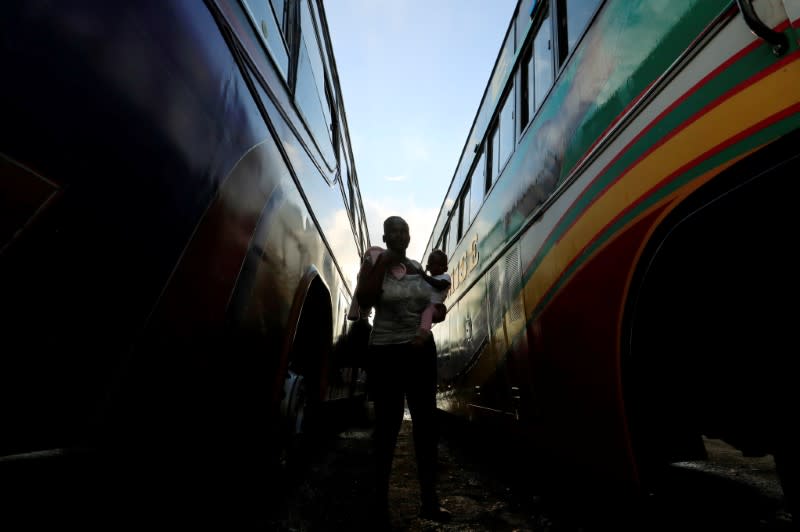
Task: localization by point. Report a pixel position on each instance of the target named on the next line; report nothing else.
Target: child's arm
(439, 312)
(438, 284)
(426, 320)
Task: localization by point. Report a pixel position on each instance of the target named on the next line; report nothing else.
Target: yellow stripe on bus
(745, 109)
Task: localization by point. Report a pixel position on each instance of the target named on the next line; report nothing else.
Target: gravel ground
(480, 482)
(330, 492)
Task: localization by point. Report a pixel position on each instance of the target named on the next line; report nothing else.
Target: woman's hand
(370, 281)
(420, 338)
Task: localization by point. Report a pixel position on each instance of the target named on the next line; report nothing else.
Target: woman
(400, 369)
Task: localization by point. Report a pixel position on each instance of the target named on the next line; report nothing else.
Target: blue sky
(412, 73)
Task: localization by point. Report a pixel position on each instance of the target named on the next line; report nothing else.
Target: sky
(412, 74)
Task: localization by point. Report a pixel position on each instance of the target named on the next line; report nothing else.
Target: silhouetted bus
(617, 227)
(180, 228)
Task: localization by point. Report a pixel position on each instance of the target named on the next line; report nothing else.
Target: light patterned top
(399, 308)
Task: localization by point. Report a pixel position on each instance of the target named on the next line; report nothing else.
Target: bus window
(506, 126)
(526, 100)
(478, 187)
(350, 187)
(445, 235)
(309, 103)
(334, 129)
(279, 8)
(310, 91)
(358, 221)
(578, 14)
(312, 46)
(452, 240)
(523, 20)
(268, 27)
(463, 212)
(344, 177)
(542, 61)
(494, 152)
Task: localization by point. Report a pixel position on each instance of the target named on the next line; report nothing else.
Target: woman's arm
(370, 280)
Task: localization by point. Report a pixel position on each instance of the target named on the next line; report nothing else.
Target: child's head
(437, 262)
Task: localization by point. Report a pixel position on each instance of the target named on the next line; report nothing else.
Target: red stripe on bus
(705, 110)
(792, 109)
(702, 112)
(212, 259)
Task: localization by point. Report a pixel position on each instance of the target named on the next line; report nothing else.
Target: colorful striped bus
(180, 227)
(617, 228)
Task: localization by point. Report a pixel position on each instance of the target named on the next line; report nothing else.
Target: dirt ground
(327, 487)
(330, 491)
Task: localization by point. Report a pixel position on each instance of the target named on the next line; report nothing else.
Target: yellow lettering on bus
(464, 265)
(473, 254)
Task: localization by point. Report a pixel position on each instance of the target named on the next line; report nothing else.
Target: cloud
(395, 178)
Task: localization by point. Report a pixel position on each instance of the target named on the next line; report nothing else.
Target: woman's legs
(388, 399)
(421, 395)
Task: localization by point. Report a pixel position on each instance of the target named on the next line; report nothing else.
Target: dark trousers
(397, 373)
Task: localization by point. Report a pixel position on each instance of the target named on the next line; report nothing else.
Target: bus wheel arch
(302, 378)
(700, 352)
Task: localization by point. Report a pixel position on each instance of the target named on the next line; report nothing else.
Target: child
(440, 280)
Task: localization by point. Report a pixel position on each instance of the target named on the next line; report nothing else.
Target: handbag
(357, 343)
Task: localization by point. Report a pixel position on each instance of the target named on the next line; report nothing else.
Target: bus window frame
(494, 173)
(523, 73)
(553, 10)
(462, 228)
(484, 189)
(505, 99)
(487, 144)
(561, 34)
(453, 233)
(266, 46)
(311, 145)
(295, 121)
(540, 13)
(324, 94)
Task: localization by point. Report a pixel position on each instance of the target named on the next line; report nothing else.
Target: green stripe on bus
(748, 66)
(764, 136)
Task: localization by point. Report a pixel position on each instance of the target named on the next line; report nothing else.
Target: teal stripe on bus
(747, 64)
(784, 125)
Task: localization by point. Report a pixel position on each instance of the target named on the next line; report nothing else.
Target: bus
(180, 230)
(614, 227)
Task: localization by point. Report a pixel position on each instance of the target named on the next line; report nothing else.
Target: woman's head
(395, 234)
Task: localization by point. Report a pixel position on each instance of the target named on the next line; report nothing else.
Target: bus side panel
(316, 230)
(731, 98)
(580, 411)
(256, 244)
(136, 114)
(661, 129)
